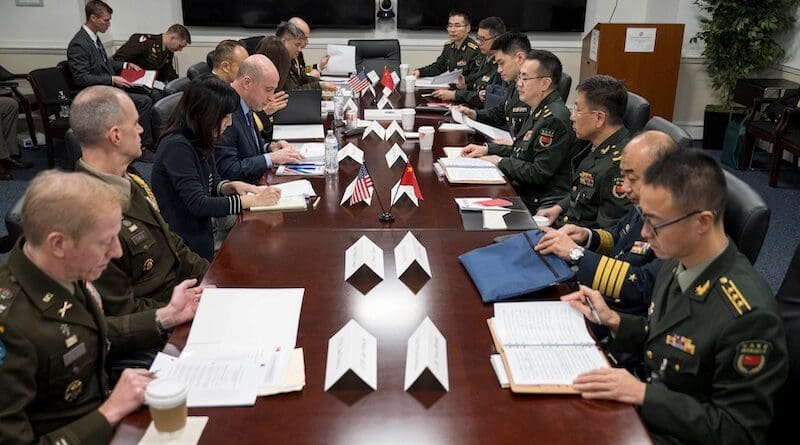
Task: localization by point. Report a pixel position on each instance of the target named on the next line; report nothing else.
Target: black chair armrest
(758, 106)
(789, 119)
(9, 84)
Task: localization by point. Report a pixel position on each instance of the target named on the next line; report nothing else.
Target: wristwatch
(575, 254)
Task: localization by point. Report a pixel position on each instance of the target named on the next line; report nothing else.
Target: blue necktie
(102, 50)
(252, 124)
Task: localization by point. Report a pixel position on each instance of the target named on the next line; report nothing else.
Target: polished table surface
(306, 249)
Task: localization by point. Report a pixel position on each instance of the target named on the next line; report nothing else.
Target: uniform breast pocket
(586, 194)
(70, 374)
(140, 245)
(683, 372)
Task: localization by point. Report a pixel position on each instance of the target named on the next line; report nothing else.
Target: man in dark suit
(243, 155)
(91, 65)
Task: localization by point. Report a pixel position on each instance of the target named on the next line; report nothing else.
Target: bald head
(639, 154)
(257, 81)
(96, 110)
(300, 23)
(653, 144)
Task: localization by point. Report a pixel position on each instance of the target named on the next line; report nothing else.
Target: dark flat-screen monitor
(518, 15)
(268, 13)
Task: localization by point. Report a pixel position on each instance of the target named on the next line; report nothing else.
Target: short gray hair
(288, 29)
(94, 111)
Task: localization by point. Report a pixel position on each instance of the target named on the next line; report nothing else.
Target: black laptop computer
(304, 107)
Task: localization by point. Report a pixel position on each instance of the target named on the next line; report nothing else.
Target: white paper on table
(267, 318)
(487, 130)
(384, 103)
(363, 252)
(548, 365)
(394, 154)
(374, 78)
(427, 84)
(162, 362)
(462, 174)
(594, 44)
(427, 349)
(394, 129)
(300, 187)
(298, 132)
(189, 436)
(442, 79)
(493, 220)
(471, 204)
(462, 162)
(294, 378)
(458, 116)
(376, 129)
(311, 151)
(544, 322)
(453, 152)
(273, 361)
(382, 115)
(352, 349)
(499, 370)
(409, 250)
(398, 191)
(348, 192)
(352, 152)
(217, 382)
(640, 40)
(450, 126)
(342, 59)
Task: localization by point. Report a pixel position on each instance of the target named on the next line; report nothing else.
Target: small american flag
(363, 188)
(359, 82)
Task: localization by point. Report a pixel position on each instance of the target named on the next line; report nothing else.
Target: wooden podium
(626, 51)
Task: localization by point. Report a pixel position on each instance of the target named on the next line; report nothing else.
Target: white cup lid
(408, 111)
(165, 392)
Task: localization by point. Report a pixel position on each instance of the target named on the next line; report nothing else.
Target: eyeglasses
(520, 78)
(455, 25)
(656, 227)
(573, 109)
(481, 40)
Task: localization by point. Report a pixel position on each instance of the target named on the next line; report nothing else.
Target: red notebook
(142, 77)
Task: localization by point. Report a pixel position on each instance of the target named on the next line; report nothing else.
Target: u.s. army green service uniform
(52, 365)
(714, 353)
(454, 57)
(298, 78)
(154, 259)
(510, 114)
(538, 162)
(486, 74)
(148, 51)
(596, 199)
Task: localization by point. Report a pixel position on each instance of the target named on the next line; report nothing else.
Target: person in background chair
(54, 337)
(312, 70)
(460, 52)
(713, 342)
(294, 39)
(185, 180)
(154, 259)
(156, 51)
(10, 156)
(227, 57)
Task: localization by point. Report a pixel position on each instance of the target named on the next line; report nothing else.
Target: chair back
(637, 113)
(373, 55)
(177, 85)
(162, 110)
(197, 70)
(251, 43)
(564, 85)
(746, 217)
(13, 222)
(67, 73)
(677, 133)
(73, 148)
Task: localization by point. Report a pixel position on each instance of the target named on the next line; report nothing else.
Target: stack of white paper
(490, 132)
(342, 59)
(295, 132)
(300, 187)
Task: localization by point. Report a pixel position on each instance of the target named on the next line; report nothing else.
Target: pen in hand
(593, 309)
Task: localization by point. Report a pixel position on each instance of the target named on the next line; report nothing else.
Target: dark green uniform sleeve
(167, 73)
(499, 149)
(469, 97)
(134, 332)
(630, 336)
(614, 204)
(18, 383)
(437, 67)
(495, 116)
(130, 50)
(739, 408)
(547, 161)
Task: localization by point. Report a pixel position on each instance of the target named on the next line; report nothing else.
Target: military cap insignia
(734, 296)
(751, 356)
(680, 342)
(586, 179)
(73, 390)
(701, 289)
(527, 136)
(142, 38)
(640, 247)
(148, 265)
(546, 137)
(617, 190)
(6, 294)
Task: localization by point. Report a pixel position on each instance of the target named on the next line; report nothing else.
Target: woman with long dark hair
(185, 179)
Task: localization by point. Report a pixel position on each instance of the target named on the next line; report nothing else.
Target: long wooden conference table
(306, 249)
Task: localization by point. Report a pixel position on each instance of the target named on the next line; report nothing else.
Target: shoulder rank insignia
(472, 45)
(680, 342)
(734, 296)
(640, 247)
(448, 42)
(586, 179)
(546, 137)
(751, 356)
(701, 289)
(527, 136)
(618, 191)
(605, 149)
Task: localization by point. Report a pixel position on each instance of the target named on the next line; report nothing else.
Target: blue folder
(511, 268)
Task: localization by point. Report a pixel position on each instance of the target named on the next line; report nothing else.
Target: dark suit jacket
(86, 63)
(239, 155)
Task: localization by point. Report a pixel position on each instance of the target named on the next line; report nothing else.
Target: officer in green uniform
(460, 52)
(154, 259)
(538, 161)
(311, 70)
(156, 51)
(511, 49)
(294, 39)
(596, 198)
(470, 90)
(53, 335)
(713, 343)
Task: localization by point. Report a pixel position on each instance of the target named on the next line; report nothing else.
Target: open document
(441, 81)
(493, 133)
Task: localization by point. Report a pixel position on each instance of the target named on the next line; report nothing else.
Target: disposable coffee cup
(426, 138)
(411, 82)
(166, 398)
(408, 115)
(541, 221)
(404, 69)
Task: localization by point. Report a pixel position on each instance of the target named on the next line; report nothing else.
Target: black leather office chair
(52, 92)
(373, 55)
(677, 133)
(746, 217)
(197, 70)
(250, 43)
(13, 225)
(67, 72)
(9, 83)
(789, 306)
(162, 110)
(637, 113)
(564, 85)
(177, 85)
(73, 148)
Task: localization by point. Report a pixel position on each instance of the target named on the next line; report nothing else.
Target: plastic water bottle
(64, 109)
(331, 154)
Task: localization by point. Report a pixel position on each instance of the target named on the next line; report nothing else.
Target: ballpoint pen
(316, 201)
(594, 311)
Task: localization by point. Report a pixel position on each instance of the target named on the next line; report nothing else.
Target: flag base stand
(386, 217)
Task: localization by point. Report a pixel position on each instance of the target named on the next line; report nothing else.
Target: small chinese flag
(386, 79)
(409, 178)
